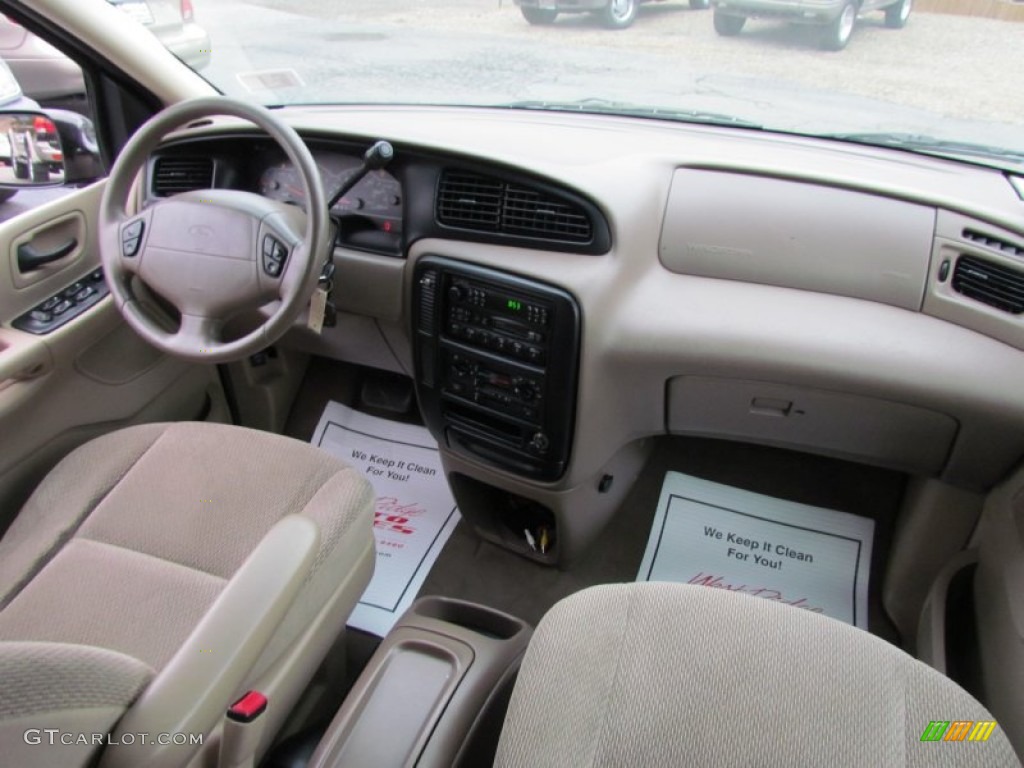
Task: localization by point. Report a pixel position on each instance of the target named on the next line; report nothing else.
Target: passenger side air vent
(486, 204)
(531, 213)
(998, 286)
(993, 242)
(172, 175)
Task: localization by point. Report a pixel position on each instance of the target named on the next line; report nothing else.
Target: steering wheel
(212, 253)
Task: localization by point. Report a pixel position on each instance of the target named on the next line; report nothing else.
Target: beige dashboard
(774, 289)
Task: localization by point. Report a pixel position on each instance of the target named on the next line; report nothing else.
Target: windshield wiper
(931, 145)
(605, 107)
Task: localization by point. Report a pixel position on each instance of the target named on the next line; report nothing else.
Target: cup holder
(476, 618)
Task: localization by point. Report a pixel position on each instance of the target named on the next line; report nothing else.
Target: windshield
(932, 75)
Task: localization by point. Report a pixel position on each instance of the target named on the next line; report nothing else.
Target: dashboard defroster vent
(993, 284)
(172, 175)
(468, 200)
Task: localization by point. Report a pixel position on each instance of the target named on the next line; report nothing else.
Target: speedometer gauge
(376, 201)
(282, 182)
(377, 196)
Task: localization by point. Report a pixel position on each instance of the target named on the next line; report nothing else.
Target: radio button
(457, 293)
(540, 443)
(524, 389)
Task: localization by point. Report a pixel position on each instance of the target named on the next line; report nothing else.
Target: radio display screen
(528, 312)
(506, 305)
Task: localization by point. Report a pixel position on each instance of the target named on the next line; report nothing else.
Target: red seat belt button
(248, 708)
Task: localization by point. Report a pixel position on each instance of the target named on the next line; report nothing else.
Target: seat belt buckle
(248, 708)
(242, 731)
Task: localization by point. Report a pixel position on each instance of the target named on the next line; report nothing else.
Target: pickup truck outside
(837, 18)
(614, 14)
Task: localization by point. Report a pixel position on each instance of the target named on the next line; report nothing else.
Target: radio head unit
(496, 363)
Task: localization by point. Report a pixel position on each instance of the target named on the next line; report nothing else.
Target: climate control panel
(496, 364)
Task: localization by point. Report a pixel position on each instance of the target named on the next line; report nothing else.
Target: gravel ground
(957, 66)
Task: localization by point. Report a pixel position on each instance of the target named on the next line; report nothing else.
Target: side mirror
(82, 162)
(31, 153)
(47, 149)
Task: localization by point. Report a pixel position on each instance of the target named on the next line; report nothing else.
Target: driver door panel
(87, 377)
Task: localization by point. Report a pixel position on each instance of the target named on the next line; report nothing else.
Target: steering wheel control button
(133, 231)
(274, 256)
(131, 236)
(130, 247)
(64, 305)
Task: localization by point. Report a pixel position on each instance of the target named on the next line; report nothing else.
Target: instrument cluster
(374, 204)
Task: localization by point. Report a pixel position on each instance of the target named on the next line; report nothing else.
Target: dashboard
(833, 298)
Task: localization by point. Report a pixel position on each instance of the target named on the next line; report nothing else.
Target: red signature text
(768, 593)
(393, 516)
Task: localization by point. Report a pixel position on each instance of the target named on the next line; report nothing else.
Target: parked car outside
(47, 75)
(837, 18)
(11, 98)
(615, 14)
(33, 156)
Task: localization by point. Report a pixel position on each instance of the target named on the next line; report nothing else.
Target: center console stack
(496, 363)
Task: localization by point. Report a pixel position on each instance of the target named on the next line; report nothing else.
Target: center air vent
(172, 175)
(470, 201)
(993, 284)
(486, 204)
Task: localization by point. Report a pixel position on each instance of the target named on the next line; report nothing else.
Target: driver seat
(161, 571)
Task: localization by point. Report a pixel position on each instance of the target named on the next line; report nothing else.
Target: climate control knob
(525, 390)
(458, 293)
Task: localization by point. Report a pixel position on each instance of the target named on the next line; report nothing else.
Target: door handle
(30, 259)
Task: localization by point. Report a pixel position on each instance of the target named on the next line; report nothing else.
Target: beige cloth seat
(149, 539)
(673, 675)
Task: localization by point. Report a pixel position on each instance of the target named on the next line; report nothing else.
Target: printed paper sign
(726, 538)
(415, 512)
